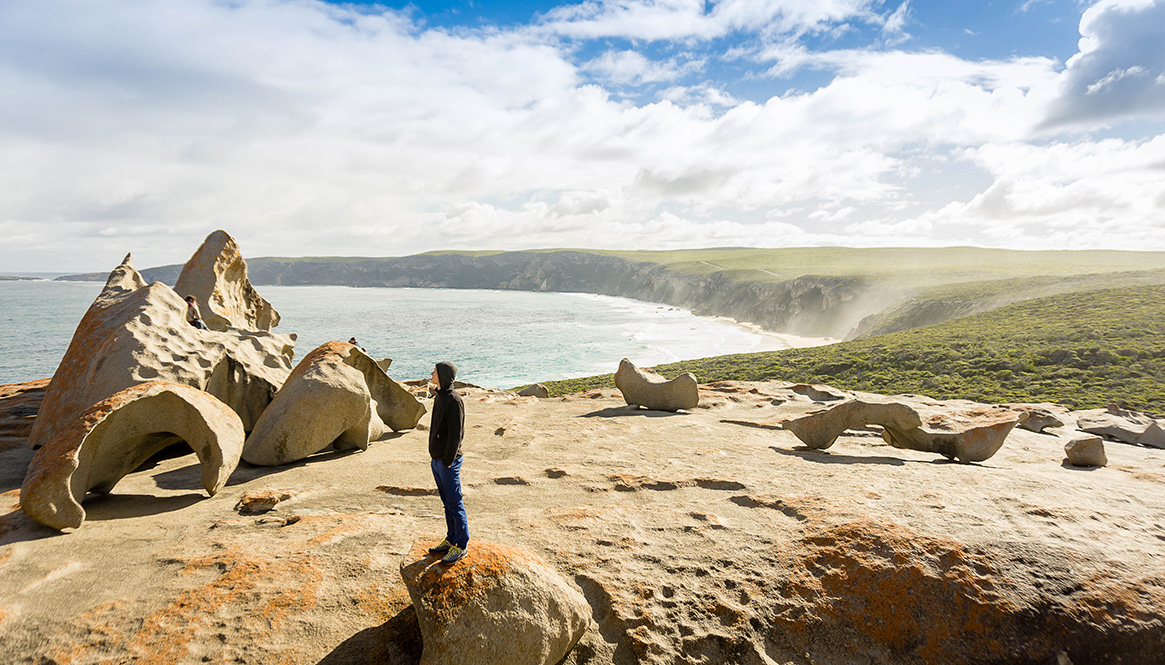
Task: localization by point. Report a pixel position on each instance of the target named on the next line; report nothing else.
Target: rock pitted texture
(216, 275)
(1086, 451)
(114, 437)
(650, 390)
(335, 395)
(135, 333)
(956, 430)
(500, 605)
(1123, 425)
(535, 390)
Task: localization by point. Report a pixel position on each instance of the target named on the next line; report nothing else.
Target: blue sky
(311, 127)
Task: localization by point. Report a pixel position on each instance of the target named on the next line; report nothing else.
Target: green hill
(1084, 350)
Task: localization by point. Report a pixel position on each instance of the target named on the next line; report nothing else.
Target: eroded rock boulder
(1087, 450)
(819, 429)
(114, 437)
(1041, 416)
(135, 332)
(535, 390)
(1122, 425)
(216, 275)
(652, 391)
(336, 395)
(958, 429)
(500, 605)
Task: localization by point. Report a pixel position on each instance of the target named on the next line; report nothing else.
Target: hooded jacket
(447, 428)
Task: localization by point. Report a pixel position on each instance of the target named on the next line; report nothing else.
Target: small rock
(262, 501)
(511, 480)
(556, 473)
(1086, 451)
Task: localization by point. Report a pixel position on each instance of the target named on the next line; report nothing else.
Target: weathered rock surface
(336, 395)
(652, 391)
(956, 430)
(1122, 425)
(1086, 451)
(695, 539)
(384, 363)
(135, 333)
(114, 437)
(535, 390)
(21, 404)
(500, 605)
(216, 275)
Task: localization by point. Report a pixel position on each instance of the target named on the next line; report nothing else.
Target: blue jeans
(449, 487)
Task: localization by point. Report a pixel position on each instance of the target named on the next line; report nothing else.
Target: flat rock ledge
(500, 605)
(958, 430)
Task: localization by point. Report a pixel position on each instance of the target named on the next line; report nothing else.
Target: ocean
(498, 339)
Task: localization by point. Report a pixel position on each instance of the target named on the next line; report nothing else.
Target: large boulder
(216, 275)
(959, 430)
(1123, 425)
(499, 605)
(650, 390)
(1041, 416)
(135, 333)
(114, 436)
(336, 395)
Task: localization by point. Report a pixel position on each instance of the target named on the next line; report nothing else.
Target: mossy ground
(1082, 350)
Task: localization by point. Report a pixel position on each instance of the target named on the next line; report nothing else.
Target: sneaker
(455, 554)
(442, 548)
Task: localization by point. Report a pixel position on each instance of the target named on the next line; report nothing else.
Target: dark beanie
(446, 372)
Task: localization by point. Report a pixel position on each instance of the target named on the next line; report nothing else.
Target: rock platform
(705, 537)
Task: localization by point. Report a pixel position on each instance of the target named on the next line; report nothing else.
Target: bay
(498, 339)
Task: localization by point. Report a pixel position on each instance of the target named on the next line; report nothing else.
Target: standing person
(446, 430)
(193, 316)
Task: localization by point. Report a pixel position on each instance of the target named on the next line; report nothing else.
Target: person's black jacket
(447, 428)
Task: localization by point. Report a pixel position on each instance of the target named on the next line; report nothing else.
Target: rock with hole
(118, 434)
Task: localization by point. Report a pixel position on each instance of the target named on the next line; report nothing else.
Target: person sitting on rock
(193, 316)
(352, 341)
(446, 431)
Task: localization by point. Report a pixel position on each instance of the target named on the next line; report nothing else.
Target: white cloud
(1112, 78)
(303, 127)
(654, 20)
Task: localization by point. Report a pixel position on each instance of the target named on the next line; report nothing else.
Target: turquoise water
(497, 338)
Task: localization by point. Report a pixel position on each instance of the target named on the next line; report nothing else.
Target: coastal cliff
(817, 306)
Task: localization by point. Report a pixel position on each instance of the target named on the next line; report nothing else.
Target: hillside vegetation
(1082, 350)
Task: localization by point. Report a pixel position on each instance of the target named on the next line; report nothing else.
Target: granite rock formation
(652, 391)
(22, 402)
(1122, 425)
(114, 437)
(216, 275)
(1041, 416)
(958, 430)
(336, 395)
(135, 333)
(500, 605)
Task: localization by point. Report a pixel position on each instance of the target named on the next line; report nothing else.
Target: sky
(312, 128)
